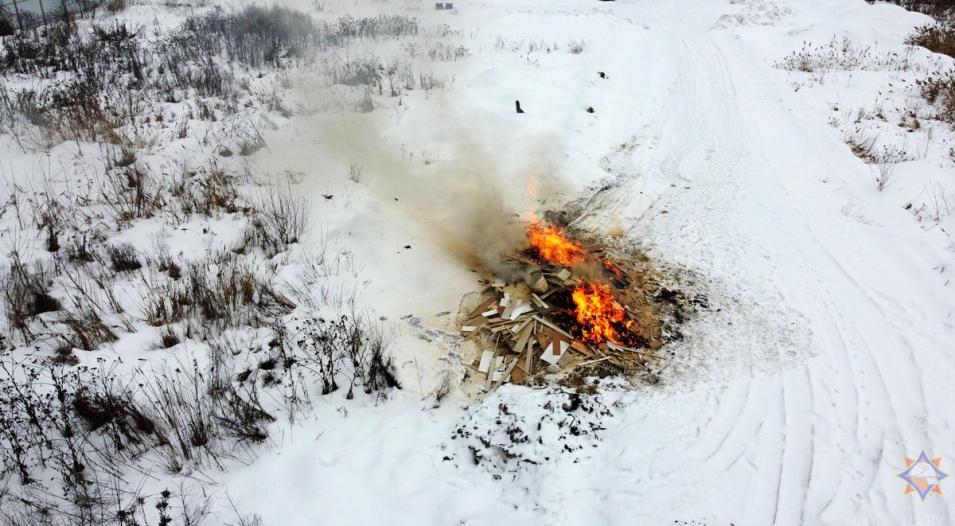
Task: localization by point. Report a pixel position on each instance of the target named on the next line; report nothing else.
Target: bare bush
(281, 216)
(115, 6)
(132, 193)
(232, 293)
(250, 146)
(885, 175)
(103, 67)
(938, 38)
(393, 26)
(254, 35)
(123, 258)
(6, 25)
(347, 350)
(85, 425)
(939, 9)
(842, 55)
(27, 294)
(939, 89)
(862, 145)
(205, 192)
(354, 172)
(363, 71)
(447, 52)
(576, 47)
(939, 204)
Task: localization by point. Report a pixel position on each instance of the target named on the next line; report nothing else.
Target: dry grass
(939, 89)
(938, 38)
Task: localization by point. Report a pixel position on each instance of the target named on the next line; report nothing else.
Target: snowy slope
(830, 348)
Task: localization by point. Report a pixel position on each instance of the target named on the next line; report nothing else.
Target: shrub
(250, 146)
(229, 294)
(255, 35)
(115, 6)
(123, 258)
(885, 175)
(393, 26)
(85, 424)
(862, 145)
(938, 38)
(26, 295)
(132, 193)
(842, 55)
(281, 217)
(939, 89)
(103, 67)
(576, 47)
(348, 349)
(939, 9)
(86, 330)
(205, 192)
(6, 27)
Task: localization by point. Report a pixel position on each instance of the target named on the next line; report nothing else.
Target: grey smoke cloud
(473, 196)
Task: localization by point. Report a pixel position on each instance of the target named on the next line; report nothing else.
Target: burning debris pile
(568, 308)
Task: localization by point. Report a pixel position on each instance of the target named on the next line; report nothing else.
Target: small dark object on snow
(408, 246)
(328, 196)
(601, 74)
(590, 109)
(517, 104)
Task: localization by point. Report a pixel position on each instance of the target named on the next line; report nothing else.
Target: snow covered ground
(829, 349)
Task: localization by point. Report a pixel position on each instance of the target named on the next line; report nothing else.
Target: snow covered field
(827, 353)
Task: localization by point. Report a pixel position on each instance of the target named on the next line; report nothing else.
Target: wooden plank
(617, 347)
(529, 358)
(509, 370)
(500, 327)
(556, 347)
(541, 303)
(518, 375)
(549, 355)
(490, 374)
(542, 338)
(481, 308)
(553, 280)
(581, 347)
(554, 327)
(506, 313)
(522, 338)
(591, 362)
(476, 322)
(519, 309)
(517, 328)
(496, 372)
(486, 358)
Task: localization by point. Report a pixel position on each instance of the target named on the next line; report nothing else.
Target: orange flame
(614, 269)
(597, 311)
(552, 245)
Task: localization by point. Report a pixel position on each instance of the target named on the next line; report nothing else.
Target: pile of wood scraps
(521, 336)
